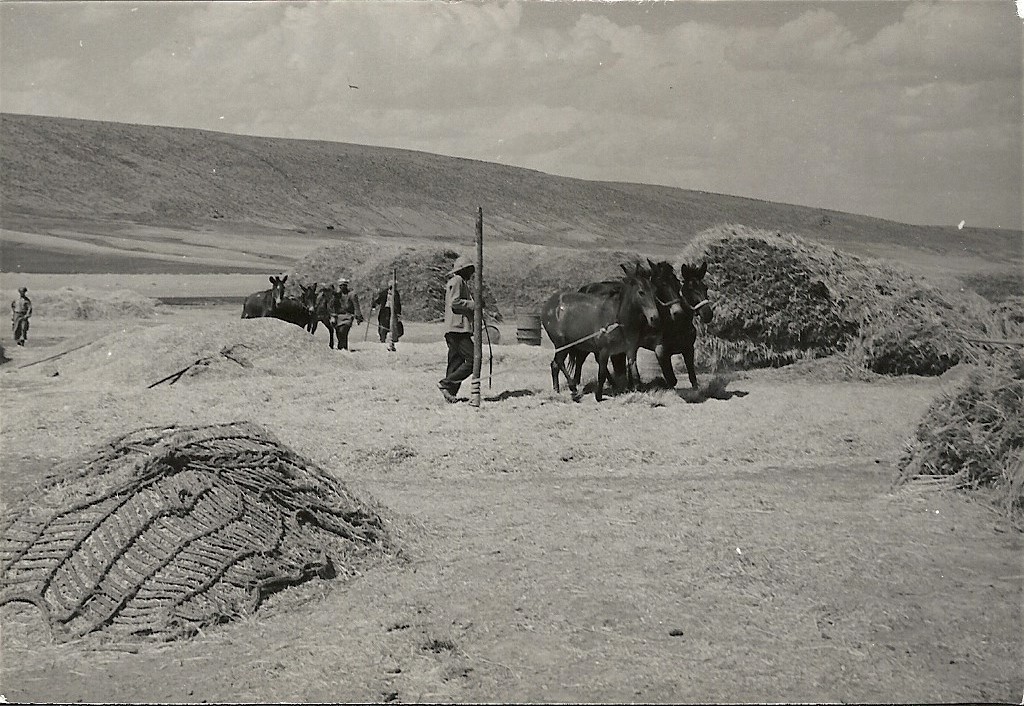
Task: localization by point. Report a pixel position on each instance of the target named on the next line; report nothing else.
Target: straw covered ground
(744, 544)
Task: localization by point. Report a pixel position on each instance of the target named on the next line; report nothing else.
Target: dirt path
(644, 549)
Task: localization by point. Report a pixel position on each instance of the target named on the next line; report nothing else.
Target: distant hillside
(53, 168)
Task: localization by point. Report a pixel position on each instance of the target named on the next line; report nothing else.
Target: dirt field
(645, 549)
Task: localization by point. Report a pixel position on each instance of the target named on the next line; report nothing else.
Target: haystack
(86, 304)
(164, 531)
(422, 273)
(779, 299)
(141, 355)
(973, 436)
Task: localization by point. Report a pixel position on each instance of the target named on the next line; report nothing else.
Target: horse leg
(555, 367)
(665, 361)
(688, 357)
(330, 330)
(602, 373)
(578, 359)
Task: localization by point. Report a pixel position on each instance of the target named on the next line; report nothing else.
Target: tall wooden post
(478, 310)
(393, 302)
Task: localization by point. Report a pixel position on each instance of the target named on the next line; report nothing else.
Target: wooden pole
(478, 310)
(393, 301)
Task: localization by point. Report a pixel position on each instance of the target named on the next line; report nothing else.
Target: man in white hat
(458, 318)
(21, 311)
(344, 309)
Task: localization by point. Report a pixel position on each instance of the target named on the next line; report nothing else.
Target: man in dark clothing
(21, 311)
(344, 310)
(383, 301)
(458, 317)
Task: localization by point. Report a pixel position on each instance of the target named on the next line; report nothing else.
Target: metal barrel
(494, 333)
(528, 329)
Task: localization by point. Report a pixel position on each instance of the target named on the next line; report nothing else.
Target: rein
(600, 331)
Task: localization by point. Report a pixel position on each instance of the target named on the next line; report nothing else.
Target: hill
(243, 203)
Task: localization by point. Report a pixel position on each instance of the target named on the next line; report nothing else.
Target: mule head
(277, 289)
(638, 293)
(308, 297)
(694, 291)
(667, 288)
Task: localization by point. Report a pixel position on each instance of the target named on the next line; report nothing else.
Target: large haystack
(142, 355)
(779, 299)
(164, 531)
(518, 278)
(422, 273)
(81, 303)
(973, 436)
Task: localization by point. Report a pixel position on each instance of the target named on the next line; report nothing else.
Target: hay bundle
(974, 434)
(164, 531)
(779, 299)
(422, 273)
(86, 304)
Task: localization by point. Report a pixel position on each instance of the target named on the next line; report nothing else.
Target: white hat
(343, 280)
(462, 262)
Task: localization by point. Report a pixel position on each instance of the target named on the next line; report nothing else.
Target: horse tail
(572, 363)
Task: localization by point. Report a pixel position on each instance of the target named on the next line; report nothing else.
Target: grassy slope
(199, 181)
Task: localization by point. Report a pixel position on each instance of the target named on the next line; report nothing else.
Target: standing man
(383, 300)
(21, 310)
(345, 310)
(458, 318)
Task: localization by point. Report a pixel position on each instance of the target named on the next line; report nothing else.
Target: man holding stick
(459, 307)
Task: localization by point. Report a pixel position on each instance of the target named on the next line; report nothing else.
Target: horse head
(277, 289)
(638, 295)
(308, 297)
(695, 292)
(666, 289)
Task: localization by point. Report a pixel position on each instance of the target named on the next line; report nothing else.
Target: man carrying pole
(459, 315)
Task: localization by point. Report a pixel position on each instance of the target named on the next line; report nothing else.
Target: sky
(910, 111)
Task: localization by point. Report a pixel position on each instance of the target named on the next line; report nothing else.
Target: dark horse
(676, 332)
(260, 304)
(679, 335)
(604, 324)
(670, 307)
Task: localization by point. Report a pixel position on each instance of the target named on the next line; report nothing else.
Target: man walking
(21, 311)
(384, 300)
(458, 317)
(344, 311)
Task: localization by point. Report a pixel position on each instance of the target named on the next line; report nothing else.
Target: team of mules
(314, 306)
(648, 308)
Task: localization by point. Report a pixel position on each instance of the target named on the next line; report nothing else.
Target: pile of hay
(973, 436)
(164, 531)
(422, 273)
(523, 277)
(142, 355)
(81, 303)
(780, 299)
(518, 277)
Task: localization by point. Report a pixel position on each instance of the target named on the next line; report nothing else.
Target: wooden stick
(478, 309)
(52, 357)
(394, 310)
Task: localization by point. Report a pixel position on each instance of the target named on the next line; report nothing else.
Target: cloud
(810, 110)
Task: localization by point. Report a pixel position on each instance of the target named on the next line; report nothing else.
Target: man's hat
(22, 290)
(343, 280)
(462, 262)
